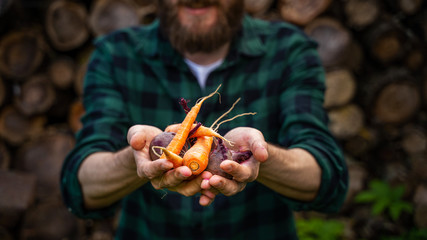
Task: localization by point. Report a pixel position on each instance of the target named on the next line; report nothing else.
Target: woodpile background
(374, 53)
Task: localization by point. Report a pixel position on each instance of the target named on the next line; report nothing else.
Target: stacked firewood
(376, 97)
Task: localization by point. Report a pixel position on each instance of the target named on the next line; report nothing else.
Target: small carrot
(197, 157)
(180, 138)
(170, 156)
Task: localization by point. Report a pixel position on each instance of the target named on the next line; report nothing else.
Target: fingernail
(228, 168)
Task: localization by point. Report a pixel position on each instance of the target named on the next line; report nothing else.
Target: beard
(194, 38)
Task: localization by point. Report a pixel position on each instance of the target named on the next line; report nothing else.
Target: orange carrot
(170, 156)
(180, 138)
(200, 132)
(197, 157)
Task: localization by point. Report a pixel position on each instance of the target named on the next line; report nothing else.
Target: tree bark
(363, 142)
(2, 91)
(66, 24)
(357, 180)
(420, 199)
(50, 220)
(17, 195)
(4, 157)
(43, 156)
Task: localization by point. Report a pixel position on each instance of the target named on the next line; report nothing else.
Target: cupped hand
(160, 172)
(243, 138)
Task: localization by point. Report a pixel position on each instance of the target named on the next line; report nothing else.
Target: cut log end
(110, 15)
(346, 121)
(396, 103)
(21, 53)
(361, 13)
(66, 24)
(333, 38)
(35, 96)
(340, 88)
(257, 7)
(15, 128)
(62, 72)
(302, 12)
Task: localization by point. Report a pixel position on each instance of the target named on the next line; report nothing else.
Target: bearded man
(133, 84)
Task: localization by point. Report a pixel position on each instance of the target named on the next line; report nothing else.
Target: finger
(205, 201)
(258, 147)
(245, 172)
(137, 141)
(172, 178)
(207, 197)
(225, 186)
(152, 169)
(139, 134)
(190, 188)
(211, 193)
(205, 182)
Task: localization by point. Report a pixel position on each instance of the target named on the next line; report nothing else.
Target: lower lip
(197, 11)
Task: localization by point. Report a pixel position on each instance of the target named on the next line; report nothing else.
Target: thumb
(259, 150)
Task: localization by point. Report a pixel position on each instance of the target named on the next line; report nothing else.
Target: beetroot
(220, 153)
(161, 140)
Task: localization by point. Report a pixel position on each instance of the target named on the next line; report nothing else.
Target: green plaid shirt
(136, 77)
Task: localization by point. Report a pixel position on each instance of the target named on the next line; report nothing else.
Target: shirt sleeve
(305, 125)
(105, 124)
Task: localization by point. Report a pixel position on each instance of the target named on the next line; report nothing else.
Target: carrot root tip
(194, 166)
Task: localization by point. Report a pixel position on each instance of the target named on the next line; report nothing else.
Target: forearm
(107, 177)
(293, 173)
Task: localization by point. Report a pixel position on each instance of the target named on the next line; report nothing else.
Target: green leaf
(379, 206)
(365, 197)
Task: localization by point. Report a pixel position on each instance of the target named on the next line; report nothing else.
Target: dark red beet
(241, 156)
(161, 140)
(218, 154)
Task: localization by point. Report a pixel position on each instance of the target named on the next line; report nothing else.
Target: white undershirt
(202, 71)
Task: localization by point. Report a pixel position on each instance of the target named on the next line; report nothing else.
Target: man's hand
(243, 138)
(160, 172)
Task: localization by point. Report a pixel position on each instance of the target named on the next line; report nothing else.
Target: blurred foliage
(319, 229)
(415, 234)
(385, 198)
